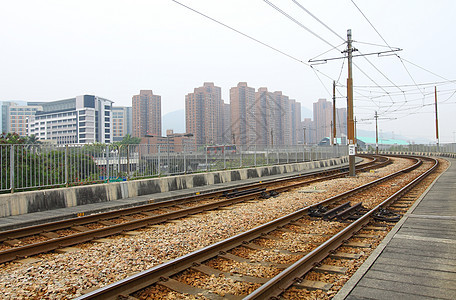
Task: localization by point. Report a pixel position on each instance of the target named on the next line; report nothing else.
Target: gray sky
(53, 50)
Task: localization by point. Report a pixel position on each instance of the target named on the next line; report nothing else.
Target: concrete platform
(417, 259)
(29, 219)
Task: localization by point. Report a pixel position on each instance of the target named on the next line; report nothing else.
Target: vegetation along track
(262, 262)
(32, 240)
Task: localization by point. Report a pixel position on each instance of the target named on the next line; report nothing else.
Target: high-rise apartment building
(283, 136)
(122, 122)
(341, 122)
(308, 133)
(83, 119)
(227, 136)
(277, 118)
(265, 116)
(296, 130)
(14, 117)
(322, 112)
(243, 117)
(204, 114)
(146, 110)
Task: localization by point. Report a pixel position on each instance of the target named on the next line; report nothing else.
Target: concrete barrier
(35, 201)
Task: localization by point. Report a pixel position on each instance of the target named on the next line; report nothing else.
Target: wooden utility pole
(334, 114)
(436, 121)
(350, 121)
(376, 133)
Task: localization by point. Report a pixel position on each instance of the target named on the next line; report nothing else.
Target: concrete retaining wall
(34, 201)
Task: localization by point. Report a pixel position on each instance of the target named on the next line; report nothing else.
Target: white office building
(83, 119)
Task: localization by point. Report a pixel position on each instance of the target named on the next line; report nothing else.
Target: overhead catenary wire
(339, 36)
(297, 22)
(375, 29)
(395, 105)
(251, 38)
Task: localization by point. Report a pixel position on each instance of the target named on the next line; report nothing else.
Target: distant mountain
(174, 120)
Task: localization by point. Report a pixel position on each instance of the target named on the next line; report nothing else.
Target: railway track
(28, 241)
(238, 267)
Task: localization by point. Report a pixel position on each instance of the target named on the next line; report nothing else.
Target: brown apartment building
(277, 118)
(146, 110)
(243, 117)
(204, 114)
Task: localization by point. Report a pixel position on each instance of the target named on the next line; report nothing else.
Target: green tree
(130, 140)
(32, 140)
(11, 138)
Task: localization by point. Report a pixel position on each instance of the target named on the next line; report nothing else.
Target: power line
(409, 85)
(318, 20)
(250, 37)
(327, 27)
(424, 69)
(372, 25)
(297, 22)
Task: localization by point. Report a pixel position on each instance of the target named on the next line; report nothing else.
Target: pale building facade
(83, 119)
(322, 117)
(14, 117)
(122, 122)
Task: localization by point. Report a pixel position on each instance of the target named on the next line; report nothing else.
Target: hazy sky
(52, 50)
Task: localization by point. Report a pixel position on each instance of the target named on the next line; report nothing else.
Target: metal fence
(26, 167)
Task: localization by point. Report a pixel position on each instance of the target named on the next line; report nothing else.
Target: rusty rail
(85, 236)
(146, 278)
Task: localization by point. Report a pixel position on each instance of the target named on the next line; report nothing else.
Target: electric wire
(297, 22)
(326, 26)
(250, 37)
(375, 29)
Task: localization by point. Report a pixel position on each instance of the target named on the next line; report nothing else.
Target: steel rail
(148, 277)
(85, 236)
(275, 286)
(77, 221)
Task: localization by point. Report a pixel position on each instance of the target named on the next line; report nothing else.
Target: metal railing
(26, 167)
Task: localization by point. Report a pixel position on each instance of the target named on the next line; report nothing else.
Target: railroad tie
(313, 285)
(236, 277)
(183, 288)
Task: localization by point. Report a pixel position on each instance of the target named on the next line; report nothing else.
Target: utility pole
(350, 121)
(304, 133)
(356, 134)
(376, 133)
(334, 114)
(350, 114)
(331, 140)
(436, 121)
